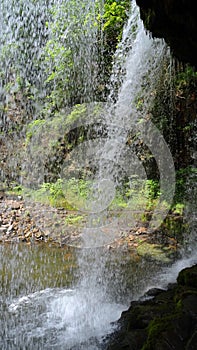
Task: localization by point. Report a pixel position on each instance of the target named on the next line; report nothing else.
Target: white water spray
(79, 318)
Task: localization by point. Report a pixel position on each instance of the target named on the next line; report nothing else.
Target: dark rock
(166, 321)
(153, 292)
(175, 21)
(191, 345)
(188, 277)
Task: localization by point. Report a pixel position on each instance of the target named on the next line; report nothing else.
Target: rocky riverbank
(22, 220)
(33, 222)
(163, 319)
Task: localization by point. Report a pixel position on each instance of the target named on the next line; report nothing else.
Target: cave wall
(175, 21)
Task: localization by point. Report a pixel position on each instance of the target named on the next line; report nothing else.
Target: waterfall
(111, 164)
(37, 50)
(115, 156)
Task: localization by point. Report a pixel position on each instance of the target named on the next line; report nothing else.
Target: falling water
(116, 162)
(31, 82)
(79, 316)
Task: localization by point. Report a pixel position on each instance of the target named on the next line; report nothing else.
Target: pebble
(22, 221)
(15, 221)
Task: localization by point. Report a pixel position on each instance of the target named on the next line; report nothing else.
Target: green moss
(78, 111)
(188, 277)
(73, 219)
(32, 128)
(174, 226)
(153, 251)
(155, 330)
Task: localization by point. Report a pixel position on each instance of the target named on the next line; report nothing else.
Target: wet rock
(9, 229)
(3, 229)
(187, 277)
(154, 252)
(167, 321)
(175, 21)
(153, 292)
(39, 235)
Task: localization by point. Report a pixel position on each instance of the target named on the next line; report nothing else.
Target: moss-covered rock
(154, 252)
(166, 321)
(188, 277)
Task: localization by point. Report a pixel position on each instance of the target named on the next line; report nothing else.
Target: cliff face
(175, 21)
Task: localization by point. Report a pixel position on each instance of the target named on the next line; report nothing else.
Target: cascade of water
(128, 124)
(141, 57)
(23, 36)
(38, 37)
(77, 319)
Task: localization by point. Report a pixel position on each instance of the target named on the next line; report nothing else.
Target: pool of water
(63, 298)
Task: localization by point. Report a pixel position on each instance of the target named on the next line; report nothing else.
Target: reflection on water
(46, 303)
(26, 269)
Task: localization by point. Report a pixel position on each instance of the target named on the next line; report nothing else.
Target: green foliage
(182, 176)
(178, 208)
(62, 45)
(71, 54)
(152, 189)
(49, 194)
(185, 77)
(69, 194)
(23, 36)
(114, 17)
(15, 189)
(78, 187)
(138, 195)
(55, 189)
(73, 219)
(33, 128)
(119, 202)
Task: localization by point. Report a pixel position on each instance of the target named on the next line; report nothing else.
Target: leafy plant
(73, 219)
(178, 208)
(71, 54)
(33, 128)
(185, 77)
(115, 14)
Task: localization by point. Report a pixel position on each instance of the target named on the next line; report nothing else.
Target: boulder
(168, 320)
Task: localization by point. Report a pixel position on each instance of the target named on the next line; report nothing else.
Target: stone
(175, 21)
(188, 276)
(15, 205)
(27, 235)
(9, 228)
(166, 321)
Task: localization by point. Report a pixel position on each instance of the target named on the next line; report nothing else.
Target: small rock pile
(25, 221)
(16, 224)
